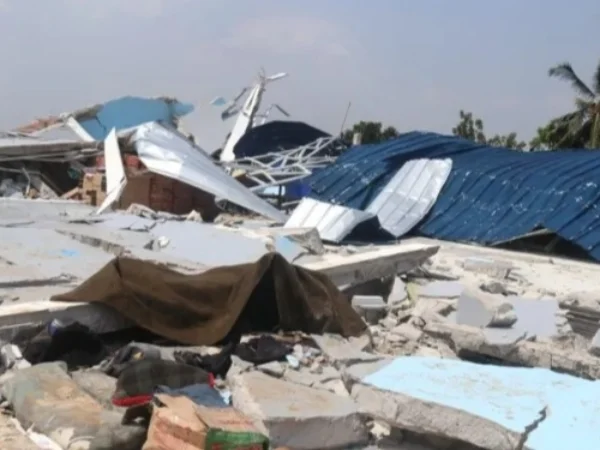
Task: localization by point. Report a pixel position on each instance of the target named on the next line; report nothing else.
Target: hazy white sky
(411, 64)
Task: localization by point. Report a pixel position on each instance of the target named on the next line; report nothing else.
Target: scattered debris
(150, 298)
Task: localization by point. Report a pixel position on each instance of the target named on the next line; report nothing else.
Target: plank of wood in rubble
(342, 269)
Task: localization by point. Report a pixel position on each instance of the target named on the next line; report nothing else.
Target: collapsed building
(325, 296)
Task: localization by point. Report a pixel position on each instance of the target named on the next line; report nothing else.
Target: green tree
(549, 137)
(580, 128)
(470, 127)
(371, 132)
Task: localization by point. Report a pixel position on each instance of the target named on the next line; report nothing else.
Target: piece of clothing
(258, 350)
(125, 355)
(73, 343)
(139, 380)
(207, 308)
(218, 364)
(263, 349)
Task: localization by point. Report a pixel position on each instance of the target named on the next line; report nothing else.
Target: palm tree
(580, 128)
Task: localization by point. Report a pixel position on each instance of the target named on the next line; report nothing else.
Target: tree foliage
(581, 127)
(472, 128)
(371, 132)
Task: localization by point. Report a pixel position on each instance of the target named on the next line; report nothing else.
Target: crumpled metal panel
(492, 194)
(168, 153)
(410, 194)
(333, 222)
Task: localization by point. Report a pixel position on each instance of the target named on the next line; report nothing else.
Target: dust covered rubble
(316, 399)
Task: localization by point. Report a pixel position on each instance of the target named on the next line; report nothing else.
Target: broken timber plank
(342, 269)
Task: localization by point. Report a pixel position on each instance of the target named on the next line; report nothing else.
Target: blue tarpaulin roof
(492, 194)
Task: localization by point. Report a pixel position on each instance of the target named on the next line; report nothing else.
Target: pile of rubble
(465, 348)
(135, 313)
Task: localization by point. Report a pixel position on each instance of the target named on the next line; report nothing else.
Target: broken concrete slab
(399, 293)
(193, 241)
(35, 210)
(372, 308)
(516, 351)
(481, 404)
(494, 268)
(540, 318)
(273, 368)
(357, 370)
(308, 238)
(594, 347)
(433, 309)
(496, 287)
(441, 289)
(49, 254)
(480, 309)
(408, 332)
(45, 397)
(583, 312)
(344, 351)
(296, 416)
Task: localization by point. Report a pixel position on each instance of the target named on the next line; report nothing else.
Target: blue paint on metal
(492, 194)
(127, 112)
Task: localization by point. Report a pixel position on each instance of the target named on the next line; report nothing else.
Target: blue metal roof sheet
(492, 194)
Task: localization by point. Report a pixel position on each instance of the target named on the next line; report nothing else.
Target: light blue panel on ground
(510, 397)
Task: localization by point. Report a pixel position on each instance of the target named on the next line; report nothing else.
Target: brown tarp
(204, 309)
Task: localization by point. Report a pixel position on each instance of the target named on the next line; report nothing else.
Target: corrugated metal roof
(400, 205)
(410, 194)
(333, 222)
(492, 194)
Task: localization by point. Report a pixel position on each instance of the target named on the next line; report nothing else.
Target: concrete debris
(583, 312)
(342, 351)
(371, 307)
(274, 368)
(594, 347)
(11, 358)
(307, 419)
(407, 332)
(496, 287)
(398, 294)
(435, 370)
(480, 309)
(493, 268)
(442, 289)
